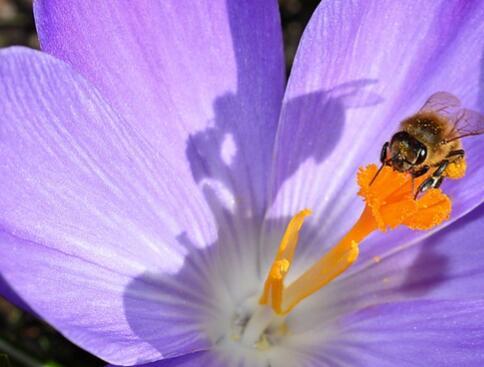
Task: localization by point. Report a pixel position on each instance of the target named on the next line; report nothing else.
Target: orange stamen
(389, 202)
(274, 284)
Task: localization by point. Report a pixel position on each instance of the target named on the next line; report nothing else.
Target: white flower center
(257, 326)
(254, 336)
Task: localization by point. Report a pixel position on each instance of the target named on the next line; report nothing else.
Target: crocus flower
(151, 162)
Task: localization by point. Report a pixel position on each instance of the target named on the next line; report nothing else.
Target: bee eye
(422, 154)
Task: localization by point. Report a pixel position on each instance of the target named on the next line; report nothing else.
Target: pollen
(456, 169)
(389, 202)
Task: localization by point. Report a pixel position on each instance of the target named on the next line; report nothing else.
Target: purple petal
(86, 208)
(200, 80)
(9, 294)
(190, 360)
(418, 333)
(90, 305)
(360, 69)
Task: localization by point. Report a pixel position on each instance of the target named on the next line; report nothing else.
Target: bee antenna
(384, 163)
(377, 173)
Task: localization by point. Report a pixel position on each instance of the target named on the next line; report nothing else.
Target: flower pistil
(389, 203)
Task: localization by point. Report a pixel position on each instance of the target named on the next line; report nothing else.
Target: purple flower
(150, 165)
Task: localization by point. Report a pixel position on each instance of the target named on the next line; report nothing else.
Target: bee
(430, 141)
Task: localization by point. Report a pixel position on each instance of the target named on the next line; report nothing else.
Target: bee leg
(440, 170)
(433, 181)
(439, 182)
(418, 173)
(456, 154)
(383, 158)
(424, 186)
(437, 177)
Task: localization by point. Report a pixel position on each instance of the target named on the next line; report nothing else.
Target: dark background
(27, 341)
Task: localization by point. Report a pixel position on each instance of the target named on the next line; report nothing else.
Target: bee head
(406, 152)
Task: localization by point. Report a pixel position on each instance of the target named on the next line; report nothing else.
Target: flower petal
(9, 294)
(85, 208)
(361, 68)
(198, 80)
(418, 333)
(196, 359)
(86, 302)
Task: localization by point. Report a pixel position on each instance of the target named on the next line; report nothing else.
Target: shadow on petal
(480, 96)
(436, 264)
(431, 267)
(192, 309)
(224, 144)
(314, 135)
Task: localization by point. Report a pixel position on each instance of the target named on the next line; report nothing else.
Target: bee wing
(443, 103)
(466, 123)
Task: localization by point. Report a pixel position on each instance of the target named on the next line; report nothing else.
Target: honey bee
(430, 140)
